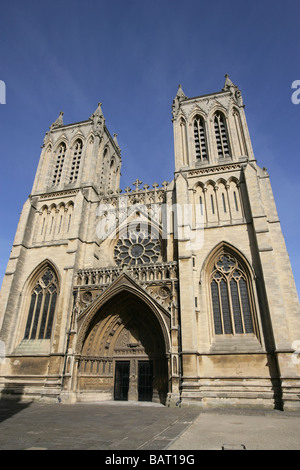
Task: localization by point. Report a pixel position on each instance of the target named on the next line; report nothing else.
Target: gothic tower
(239, 307)
(181, 293)
(55, 235)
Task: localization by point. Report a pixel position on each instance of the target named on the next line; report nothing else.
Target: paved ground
(241, 429)
(114, 426)
(136, 426)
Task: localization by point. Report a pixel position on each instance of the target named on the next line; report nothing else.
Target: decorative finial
(180, 94)
(59, 121)
(137, 183)
(228, 83)
(116, 140)
(234, 90)
(98, 111)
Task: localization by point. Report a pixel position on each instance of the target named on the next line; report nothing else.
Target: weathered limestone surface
(140, 274)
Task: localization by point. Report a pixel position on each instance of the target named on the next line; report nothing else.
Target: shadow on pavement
(10, 404)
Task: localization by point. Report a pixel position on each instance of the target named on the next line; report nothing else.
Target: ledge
(236, 345)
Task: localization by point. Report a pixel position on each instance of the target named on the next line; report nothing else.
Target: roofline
(88, 121)
(209, 94)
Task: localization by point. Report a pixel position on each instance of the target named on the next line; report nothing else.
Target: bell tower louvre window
(221, 136)
(200, 139)
(59, 164)
(76, 162)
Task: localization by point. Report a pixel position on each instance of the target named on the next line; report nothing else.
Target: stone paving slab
(113, 426)
(241, 430)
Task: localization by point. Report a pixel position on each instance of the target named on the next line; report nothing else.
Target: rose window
(137, 248)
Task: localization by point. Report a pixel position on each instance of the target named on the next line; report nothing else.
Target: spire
(180, 95)
(98, 112)
(98, 121)
(59, 121)
(176, 102)
(116, 141)
(234, 90)
(228, 83)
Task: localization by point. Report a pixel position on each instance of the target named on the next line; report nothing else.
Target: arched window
(76, 161)
(230, 295)
(183, 137)
(200, 139)
(239, 132)
(59, 164)
(42, 306)
(221, 136)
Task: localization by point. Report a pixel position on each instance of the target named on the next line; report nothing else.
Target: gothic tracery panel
(61, 153)
(42, 306)
(200, 139)
(77, 153)
(138, 247)
(230, 295)
(221, 136)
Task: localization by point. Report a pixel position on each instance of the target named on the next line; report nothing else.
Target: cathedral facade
(180, 293)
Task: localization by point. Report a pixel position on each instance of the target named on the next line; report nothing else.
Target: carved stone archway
(124, 352)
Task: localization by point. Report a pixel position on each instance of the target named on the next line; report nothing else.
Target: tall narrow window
(183, 141)
(201, 205)
(224, 203)
(212, 204)
(221, 136)
(230, 294)
(51, 225)
(59, 164)
(43, 225)
(60, 222)
(76, 162)
(239, 132)
(235, 201)
(69, 222)
(200, 139)
(42, 307)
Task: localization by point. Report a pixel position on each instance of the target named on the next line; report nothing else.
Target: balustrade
(141, 273)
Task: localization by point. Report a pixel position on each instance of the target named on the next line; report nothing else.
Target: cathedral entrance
(144, 390)
(121, 380)
(145, 380)
(124, 353)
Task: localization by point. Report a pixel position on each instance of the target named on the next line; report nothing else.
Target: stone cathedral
(179, 293)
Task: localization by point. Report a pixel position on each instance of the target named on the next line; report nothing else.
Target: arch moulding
(123, 284)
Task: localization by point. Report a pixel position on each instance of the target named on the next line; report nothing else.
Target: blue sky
(131, 55)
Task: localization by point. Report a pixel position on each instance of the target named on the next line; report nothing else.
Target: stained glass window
(230, 294)
(137, 248)
(42, 307)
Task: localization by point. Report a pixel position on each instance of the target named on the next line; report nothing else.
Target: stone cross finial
(165, 185)
(155, 186)
(146, 186)
(127, 189)
(136, 183)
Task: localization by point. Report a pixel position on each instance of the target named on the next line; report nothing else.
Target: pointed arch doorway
(124, 352)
